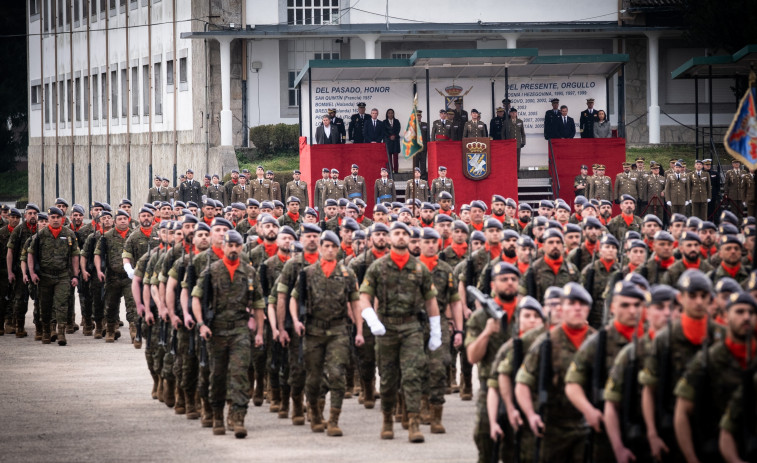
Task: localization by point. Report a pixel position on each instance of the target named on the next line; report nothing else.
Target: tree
(722, 25)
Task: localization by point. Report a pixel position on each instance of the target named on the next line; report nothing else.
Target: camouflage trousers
(481, 435)
(563, 443)
(229, 355)
(507, 447)
(169, 358)
(116, 287)
(326, 355)
(259, 356)
(401, 354)
(275, 360)
(53, 295)
(96, 300)
(85, 299)
(153, 351)
(294, 373)
(187, 368)
(21, 299)
(435, 380)
(366, 356)
(7, 294)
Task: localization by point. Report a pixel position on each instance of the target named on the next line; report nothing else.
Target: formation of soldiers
(595, 338)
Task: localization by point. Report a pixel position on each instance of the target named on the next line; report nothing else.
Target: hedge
(275, 138)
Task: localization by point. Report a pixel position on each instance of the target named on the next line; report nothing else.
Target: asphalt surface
(89, 401)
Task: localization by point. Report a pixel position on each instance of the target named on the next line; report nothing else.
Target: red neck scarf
(576, 335)
(328, 267)
(207, 220)
(55, 231)
(603, 220)
(579, 217)
(146, 231)
(694, 330)
(649, 243)
(310, 257)
(651, 333)
(522, 224)
(628, 219)
(607, 263)
(32, 228)
(156, 220)
(360, 219)
(231, 266)
(501, 218)
(260, 241)
(460, 249)
(234, 181)
(218, 252)
(554, 264)
(707, 252)
(631, 267)
(690, 265)
(284, 257)
(378, 254)
(348, 249)
(447, 212)
(720, 320)
(72, 227)
(732, 271)
(508, 307)
(443, 243)
(270, 249)
(477, 226)
(522, 266)
(665, 264)
(399, 259)
(295, 217)
(738, 350)
(122, 233)
(591, 247)
(430, 261)
(510, 260)
(425, 224)
(493, 250)
(10, 229)
(624, 330)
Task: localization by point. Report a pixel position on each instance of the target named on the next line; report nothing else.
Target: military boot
(230, 418)
(358, 388)
(70, 328)
(161, 389)
(258, 397)
(53, 333)
(155, 383)
(386, 427)
(414, 431)
(133, 332)
(349, 384)
(86, 326)
(98, 333)
(110, 334)
(298, 414)
(466, 389)
(316, 418)
(436, 419)
(20, 331)
(453, 387)
(425, 411)
(333, 425)
(181, 404)
(37, 332)
(369, 401)
(137, 342)
(46, 334)
(10, 327)
(103, 327)
(361, 395)
(321, 405)
(240, 432)
(61, 334)
(169, 392)
(284, 404)
(206, 420)
(275, 400)
(218, 428)
(189, 398)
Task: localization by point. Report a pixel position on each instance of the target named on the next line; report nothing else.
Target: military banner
(412, 140)
(476, 158)
(741, 138)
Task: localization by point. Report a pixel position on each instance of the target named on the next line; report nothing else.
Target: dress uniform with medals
(338, 122)
(589, 117)
(677, 191)
(626, 184)
(355, 185)
(475, 128)
(600, 186)
(298, 189)
(440, 184)
(384, 189)
(655, 190)
(275, 186)
(422, 191)
(497, 124)
(240, 192)
(320, 191)
(700, 190)
(261, 189)
(356, 124)
(334, 188)
(216, 191)
(440, 129)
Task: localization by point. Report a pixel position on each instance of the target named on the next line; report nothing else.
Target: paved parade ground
(89, 401)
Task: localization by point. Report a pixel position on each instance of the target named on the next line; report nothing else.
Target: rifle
(598, 378)
(590, 277)
(207, 312)
(748, 447)
(302, 307)
(664, 389)
(492, 309)
(705, 434)
(517, 362)
(545, 379)
(148, 337)
(191, 277)
(632, 429)
(470, 275)
(265, 287)
(174, 341)
(162, 333)
(103, 262)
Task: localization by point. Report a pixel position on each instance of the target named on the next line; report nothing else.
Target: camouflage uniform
(581, 256)
(618, 227)
(85, 299)
(246, 227)
(440, 359)
(327, 339)
(287, 219)
(719, 272)
(449, 256)
(670, 277)
(280, 391)
(229, 347)
(117, 282)
(401, 294)
(544, 277)
(16, 241)
(734, 420)
(565, 428)
(601, 276)
(141, 271)
(96, 307)
(6, 307)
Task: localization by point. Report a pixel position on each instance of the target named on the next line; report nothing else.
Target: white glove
(708, 200)
(370, 317)
(129, 270)
(435, 338)
(686, 203)
(744, 203)
(669, 203)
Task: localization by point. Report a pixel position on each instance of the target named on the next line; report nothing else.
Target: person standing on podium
(475, 128)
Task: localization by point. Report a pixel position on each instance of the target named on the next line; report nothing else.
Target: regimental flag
(741, 138)
(412, 140)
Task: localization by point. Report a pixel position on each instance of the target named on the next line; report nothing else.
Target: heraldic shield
(476, 158)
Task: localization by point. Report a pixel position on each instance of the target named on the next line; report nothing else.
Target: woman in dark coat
(392, 136)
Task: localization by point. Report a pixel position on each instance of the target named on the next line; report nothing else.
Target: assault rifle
(598, 376)
(517, 362)
(302, 311)
(191, 277)
(706, 432)
(265, 287)
(664, 390)
(545, 379)
(207, 312)
(633, 432)
(492, 309)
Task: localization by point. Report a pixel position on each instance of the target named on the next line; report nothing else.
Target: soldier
(661, 260)
(229, 186)
(357, 121)
(689, 246)
(420, 158)
(440, 130)
(475, 128)
(513, 129)
(134, 247)
(292, 218)
(275, 186)
(551, 269)
(672, 349)
(581, 182)
(417, 188)
(626, 183)
(53, 263)
(384, 190)
(235, 291)
(749, 200)
(700, 190)
(320, 190)
(241, 192)
(299, 189)
(584, 254)
(714, 185)
(596, 275)
(626, 221)
(733, 189)
(354, 185)
(654, 191)
(335, 188)
(442, 183)
(400, 337)
(460, 117)
(8, 284)
(677, 190)
(330, 291)
(737, 425)
(455, 125)
(589, 117)
(338, 123)
(562, 430)
(96, 309)
(190, 189)
(551, 119)
(730, 253)
(15, 244)
(261, 188)
(497, 124)
(216, 191)
(599, 186)
(157, 193)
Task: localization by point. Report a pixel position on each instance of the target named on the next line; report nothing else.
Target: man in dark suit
(566, 128)
(373, 129)
(588, 117)
(190, 189)
(326, 134)
(550, 120)
(357, 121)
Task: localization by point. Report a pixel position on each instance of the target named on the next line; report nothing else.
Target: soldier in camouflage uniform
(661, 260)
(484, 336)
(595, 277)
(53, 265)
(551, 269)
(134, 247)
(730, 251)
(330, 289)
(583, 254)
(15, 243)
(96, 309)
(6, 287)
(457, 251)
(627, 220)
(235, 292)
(292, 218)
(562, 429)
(247, 226)
(400, 282)
(689, 246)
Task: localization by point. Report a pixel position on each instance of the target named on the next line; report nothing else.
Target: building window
(53, 108)
(46, 15)
(69, 98)
(158, 89)
(169, 73)
(36, 94)
(86, 98)
(76, 11)
(77, 100)
(124, 93)
(182, 70)
(114, 94)
(304, 12)
(95, 98)
(33, 7)
(61, 102)
(103, 6)
(47, 103)
(135, 91)
(60, 12)
(145, 89)
(299, 53)
(104, 95)
(93, 9)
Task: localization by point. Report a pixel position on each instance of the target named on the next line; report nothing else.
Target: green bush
(278, 138)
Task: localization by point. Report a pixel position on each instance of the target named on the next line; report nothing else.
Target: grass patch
(14, 185)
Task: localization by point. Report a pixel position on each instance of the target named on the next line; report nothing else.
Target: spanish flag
(412, 140)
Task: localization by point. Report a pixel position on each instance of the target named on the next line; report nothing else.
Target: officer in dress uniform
(356, 124)
(384, 189)
(422, 192)
(551, 119)
(440, 130)
(216, 191)
(355, 185)
(460, 117)
(419, 160)
(497, 123)
(588, 117)
(715, 186)
(299, 189)
(475, 128)
(338, 122)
